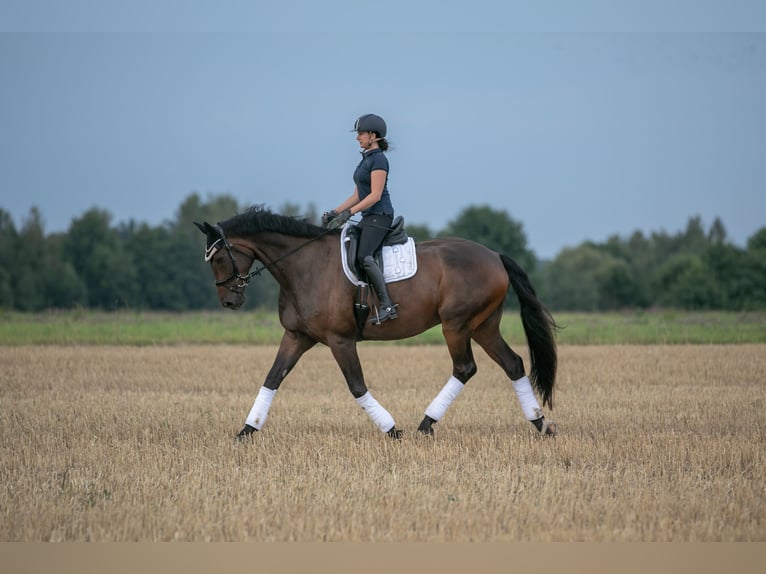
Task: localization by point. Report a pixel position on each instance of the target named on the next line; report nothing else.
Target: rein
(244, 280)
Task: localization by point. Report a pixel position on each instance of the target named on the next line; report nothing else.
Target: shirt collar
(369, 152)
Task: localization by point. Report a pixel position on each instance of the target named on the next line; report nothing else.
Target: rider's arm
(353, 199)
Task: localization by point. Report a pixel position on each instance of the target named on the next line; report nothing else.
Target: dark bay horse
(459, 283)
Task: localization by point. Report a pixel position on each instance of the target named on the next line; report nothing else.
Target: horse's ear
(212, 233)
(212, 237)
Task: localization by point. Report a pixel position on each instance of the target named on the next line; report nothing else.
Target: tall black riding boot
(375, 277)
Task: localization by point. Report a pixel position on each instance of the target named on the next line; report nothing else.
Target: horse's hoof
(246, 433)
(426, 426)
(395, 433)
(550, 429)
(426, 430)
(544, 427)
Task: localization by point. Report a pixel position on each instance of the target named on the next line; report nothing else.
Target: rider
(372, 199)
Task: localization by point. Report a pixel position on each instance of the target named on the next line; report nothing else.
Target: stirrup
(385, 314)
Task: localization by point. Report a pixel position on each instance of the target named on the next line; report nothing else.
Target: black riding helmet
(370, 123)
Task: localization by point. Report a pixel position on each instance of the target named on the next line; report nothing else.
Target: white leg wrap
(529, 405)
(261, 406)
(380, 416)
(444, 399)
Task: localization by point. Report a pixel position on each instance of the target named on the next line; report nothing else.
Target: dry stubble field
(657, 443)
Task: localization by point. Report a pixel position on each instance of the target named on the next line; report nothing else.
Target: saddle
(396, 258)
(396, 236)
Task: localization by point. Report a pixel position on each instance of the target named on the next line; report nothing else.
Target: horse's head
(227, 260)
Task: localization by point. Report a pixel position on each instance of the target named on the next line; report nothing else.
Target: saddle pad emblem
(399, 261)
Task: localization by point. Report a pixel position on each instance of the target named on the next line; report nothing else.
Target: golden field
(656, 443)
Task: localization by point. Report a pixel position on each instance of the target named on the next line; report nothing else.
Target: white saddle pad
(399, 261)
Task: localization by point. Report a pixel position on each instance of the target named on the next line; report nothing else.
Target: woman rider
(372, 199)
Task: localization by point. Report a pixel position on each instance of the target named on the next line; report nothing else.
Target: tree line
(101, 265)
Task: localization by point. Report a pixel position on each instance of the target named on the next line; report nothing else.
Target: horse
(459, 284)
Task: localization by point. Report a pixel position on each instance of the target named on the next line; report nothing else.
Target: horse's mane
(258, 218)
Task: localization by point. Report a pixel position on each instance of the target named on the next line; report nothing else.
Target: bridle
(243, 280)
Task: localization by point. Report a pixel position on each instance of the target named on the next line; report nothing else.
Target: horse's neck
(286, 257)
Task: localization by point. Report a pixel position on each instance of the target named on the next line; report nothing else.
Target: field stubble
(122, 443)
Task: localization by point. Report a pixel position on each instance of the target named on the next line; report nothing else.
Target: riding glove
(328, 216)
(339, 219)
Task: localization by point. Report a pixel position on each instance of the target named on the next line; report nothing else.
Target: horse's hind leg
(463, 368)
(489, 337)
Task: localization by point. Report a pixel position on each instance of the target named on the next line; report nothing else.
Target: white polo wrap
(444, 399)
(261, 406)
(529, 405)
(380, 416)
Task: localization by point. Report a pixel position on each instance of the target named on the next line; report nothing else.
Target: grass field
(261, 327)
(134, 443)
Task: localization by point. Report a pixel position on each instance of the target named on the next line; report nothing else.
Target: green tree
(170, 269)
(191, 275)
(29, 291)
(642, 259)
(717, 233)
(617, 286)
(740, 274)
(100, 259)
(6, 290)
(755, 263)
(494, 229)
(694, 239)
(9, 239)
(149, 250)
(590, 277)
(685, 282)
(63, 287)
(34, 274)
(757, 241)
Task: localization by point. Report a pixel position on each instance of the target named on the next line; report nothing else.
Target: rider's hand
(340, 219)
(328, 216)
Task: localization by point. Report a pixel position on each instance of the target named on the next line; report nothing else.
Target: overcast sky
(580, 119)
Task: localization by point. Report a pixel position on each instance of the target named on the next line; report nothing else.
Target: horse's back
(468, 272)
(463, 255)
(457, 281)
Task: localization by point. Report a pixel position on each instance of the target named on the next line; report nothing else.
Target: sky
(582, 120)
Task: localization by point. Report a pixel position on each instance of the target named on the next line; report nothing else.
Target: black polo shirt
(373, 160)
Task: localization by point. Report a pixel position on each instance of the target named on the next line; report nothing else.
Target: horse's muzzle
(232, 299)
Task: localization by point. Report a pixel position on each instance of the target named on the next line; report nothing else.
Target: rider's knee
(366, 261)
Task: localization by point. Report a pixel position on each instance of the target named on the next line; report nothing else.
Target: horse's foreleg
(463, 368)
(344, 351)
(292, 347)
(438, 407)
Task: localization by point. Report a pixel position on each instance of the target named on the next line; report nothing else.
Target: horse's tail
(539, 328)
